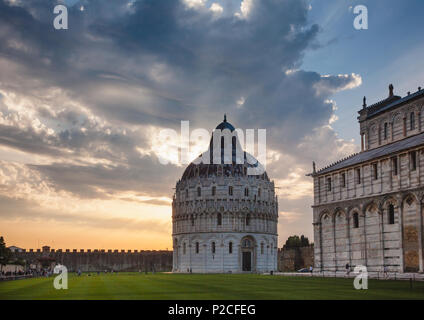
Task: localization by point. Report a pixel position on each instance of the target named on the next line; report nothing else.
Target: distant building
(15, 249)
(224, 220)
(368, 208)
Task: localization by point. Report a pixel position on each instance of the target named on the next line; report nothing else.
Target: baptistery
(225, 212)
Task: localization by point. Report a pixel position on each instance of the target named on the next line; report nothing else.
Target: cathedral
(368, 207)
(224, 218)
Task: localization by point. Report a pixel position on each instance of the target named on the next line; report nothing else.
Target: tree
(5, 253)
(297, 242)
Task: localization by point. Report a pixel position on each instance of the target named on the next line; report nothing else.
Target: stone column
(381, 214)
(189, 252)
(334, 242)
(401, 237)
(365, 237)
(349, 244)
(318, 243)
(205, 259)
(222, 253)
(420, 236)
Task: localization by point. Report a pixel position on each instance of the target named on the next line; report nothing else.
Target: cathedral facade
(368, 207)
(224, 219)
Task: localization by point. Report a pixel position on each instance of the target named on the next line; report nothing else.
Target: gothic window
(247, 219)
(213, 190)
(186, 193)
(199, 191)
(355, 220)
(184, 248)
(246, 192)
(413, 157)
(385, 130)
(230, 248)
(219, 219)
(375, 170)
(391, 214)
(262, 248)
(328, 184)
(230, 190)
(192, 220)
(259, 192)
(197, 247)
(213, 248)
(394, 166)
(343, 180)
(358, 176)
(412, 121)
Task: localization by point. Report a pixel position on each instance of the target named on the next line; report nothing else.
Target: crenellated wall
(100, 260)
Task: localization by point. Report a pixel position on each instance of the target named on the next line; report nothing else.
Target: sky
(81, 109)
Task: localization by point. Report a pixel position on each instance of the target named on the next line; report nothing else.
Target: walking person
(347, 269)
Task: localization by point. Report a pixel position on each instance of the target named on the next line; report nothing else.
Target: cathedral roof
(372, 154)
(390, 102)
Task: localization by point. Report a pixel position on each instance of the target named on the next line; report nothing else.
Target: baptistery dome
(225, 212)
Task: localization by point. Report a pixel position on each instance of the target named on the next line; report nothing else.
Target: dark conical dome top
(228, 165)
(225, 125)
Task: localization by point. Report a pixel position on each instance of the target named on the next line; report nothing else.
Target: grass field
(198, 286)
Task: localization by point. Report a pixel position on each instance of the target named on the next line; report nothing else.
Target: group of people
(27, 273)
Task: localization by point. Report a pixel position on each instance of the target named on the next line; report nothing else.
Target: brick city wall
(100, 260)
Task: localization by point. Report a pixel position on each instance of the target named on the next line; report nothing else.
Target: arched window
(192, 220)
(213, 247)
(246, 192)
(259, 192)
(328, 184)
(246, 243)
(230, 248)
(184, 248)
(230, 190)
(262, 248)
(391, 213)
(385, 130)
(186, 193)
(197, 247)
(199, 191)
(219, 219)
(213, 190)
(358, 176)
(412, 121)
(247, 219)
(355, 220)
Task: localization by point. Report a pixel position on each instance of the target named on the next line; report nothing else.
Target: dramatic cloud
(85, 105)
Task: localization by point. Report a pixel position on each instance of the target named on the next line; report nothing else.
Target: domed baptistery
(224, 214)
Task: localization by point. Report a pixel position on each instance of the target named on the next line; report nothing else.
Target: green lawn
(199, 286)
